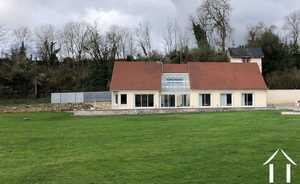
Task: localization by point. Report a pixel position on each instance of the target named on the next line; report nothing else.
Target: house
(246, 55)
(138, 85)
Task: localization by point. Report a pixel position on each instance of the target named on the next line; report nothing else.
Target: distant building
(246, 55)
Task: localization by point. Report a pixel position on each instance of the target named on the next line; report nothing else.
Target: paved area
(290, 113)
(284, 105)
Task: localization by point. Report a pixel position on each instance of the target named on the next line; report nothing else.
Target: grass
(224, 147)
(25, 101)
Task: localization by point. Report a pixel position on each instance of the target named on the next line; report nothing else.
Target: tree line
(80, 56)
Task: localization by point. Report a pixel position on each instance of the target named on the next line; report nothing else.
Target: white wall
(260, 99)
(252, 60)
(282, 96)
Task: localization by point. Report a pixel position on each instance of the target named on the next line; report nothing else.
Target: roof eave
(233, 89)
(134, 89)
(247, 56)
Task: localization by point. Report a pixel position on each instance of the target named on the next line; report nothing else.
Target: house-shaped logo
(288, 167)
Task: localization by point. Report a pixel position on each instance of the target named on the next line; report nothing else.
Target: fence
(80, 97)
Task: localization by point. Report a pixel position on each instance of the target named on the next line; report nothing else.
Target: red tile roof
(213, 75)
(136, 76)
(175, 68)
(203, 75)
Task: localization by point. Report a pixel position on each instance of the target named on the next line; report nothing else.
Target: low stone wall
(96, 112)
(43, 107)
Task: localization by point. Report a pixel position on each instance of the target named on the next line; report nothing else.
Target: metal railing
(80, 97)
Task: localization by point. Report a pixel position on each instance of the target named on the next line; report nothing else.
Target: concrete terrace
(105, 112)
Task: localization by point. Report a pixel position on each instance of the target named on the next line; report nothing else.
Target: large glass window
(172, 100)
(204, 100)
(168, 101)
(145, 100)
(226, 99)
(150, 100)
(247, 99)
(123, 98)
(175, 82)
(183, 100)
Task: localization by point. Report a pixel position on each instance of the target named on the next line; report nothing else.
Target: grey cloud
(57, 12)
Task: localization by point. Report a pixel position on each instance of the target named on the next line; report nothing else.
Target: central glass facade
(175, 90)
(175, 82)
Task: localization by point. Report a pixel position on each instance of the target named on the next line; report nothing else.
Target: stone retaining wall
(160, 111)
(42, 107)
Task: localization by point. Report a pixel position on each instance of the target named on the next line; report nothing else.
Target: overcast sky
(130, 12)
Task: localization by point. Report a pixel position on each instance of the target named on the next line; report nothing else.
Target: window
(145, 100)
(172, 100)
(246, 60)
(123, 98)
(174, 81)
(168, 100)
(226, 99)
(138, 101)
(116, 99)
(247, 99)
(204, 100)
(183, 100)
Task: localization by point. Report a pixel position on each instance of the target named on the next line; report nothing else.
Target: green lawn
(25, 101)
(225, 147)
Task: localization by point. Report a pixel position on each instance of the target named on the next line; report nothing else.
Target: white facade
(130, 98)
(258, 98)
(241, 60)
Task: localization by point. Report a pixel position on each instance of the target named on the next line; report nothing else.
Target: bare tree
(110, 45)
(255, 32)
(75, 33)
(74, 37)
(143, 33)
(94, 41)
(171, 37)
(214, 18)
(176, 40)
(22, 34)
(184, 43)
(127, 48)
(2, 32)
(292, 26)
(4, 39)
(45, 39)
(22, 38)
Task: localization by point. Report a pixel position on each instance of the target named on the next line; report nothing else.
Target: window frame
(252, 99)
(204, 94)
(121, 99)
(116, 99)
(226, 102)
(175, 94)
(134, 105)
